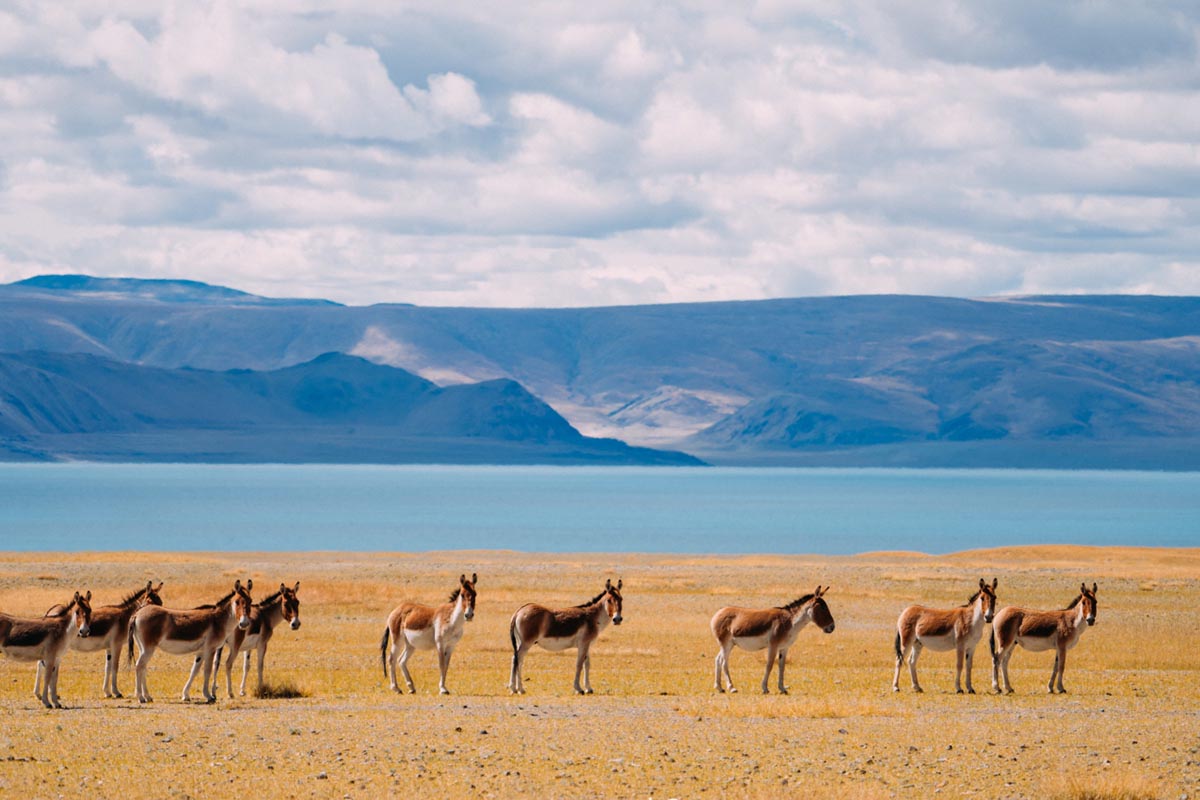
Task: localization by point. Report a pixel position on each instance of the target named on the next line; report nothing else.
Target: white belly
(1036, 644)
(421, 640)
(250, 643)
(179, 648)
(945, 642)
(752, 643)
(35, 653)
(554, 645)
(88, 644)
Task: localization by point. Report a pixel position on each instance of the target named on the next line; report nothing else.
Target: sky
(570, 154)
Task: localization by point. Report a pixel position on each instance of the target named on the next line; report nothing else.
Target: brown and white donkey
(198, 630)
(265, 616)
(413, 626)
(562, 629)
(45, 639)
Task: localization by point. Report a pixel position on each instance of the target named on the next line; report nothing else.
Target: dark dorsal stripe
(972, 599)
(593, 601)
(271, 598)
(1074, 603)
(799, 601)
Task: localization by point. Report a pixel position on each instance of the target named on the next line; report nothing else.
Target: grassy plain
(1129, 727)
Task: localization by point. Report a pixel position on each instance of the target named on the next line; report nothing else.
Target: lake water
(156, 507)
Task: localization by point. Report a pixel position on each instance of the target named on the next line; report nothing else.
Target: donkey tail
(132, 623)
(512, 637)
(899, 652)
(992, 643)
(383, 643)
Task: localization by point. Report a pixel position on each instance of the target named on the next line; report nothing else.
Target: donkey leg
(210, 677)
(404, 656)
(970, 665)
(187, 687)
(139, 671)
(580, 657)
(443, 668)
(959, 657)
(50, 687)
(717, 670)
(516, 683)
(114, 661)
(772, 654)
(900, 651)
(913, 655)
(782, 664)
(725, 665)
(1060, 664)
(587, 673)
(262, 656)
(38, 674)
(1006, 656)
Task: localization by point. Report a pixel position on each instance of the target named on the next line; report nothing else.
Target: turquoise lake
(74, 507)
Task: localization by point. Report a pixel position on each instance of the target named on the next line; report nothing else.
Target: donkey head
(242, 602)
(987, 595)
(81, 610)
(821, 614)
(1090, 606)
(150, 596)
(467, 587)
(612, 600)
(290, 604)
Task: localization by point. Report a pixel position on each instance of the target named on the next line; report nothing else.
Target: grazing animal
(957, 629)
(45, 640)
(413, 626)
(198, 630)
(282, 606)
(1041, 630)
(563, 629)
(109, 631)
(773, 628)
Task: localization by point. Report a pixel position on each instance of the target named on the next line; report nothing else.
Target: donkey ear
(474, 578)
(249, 584)
(237, 585)
(160, 585)
(149, 586)
(1093, 587)
(607, 584)
(296, 588)
(89, 596)
(982, 583)
(462, 578)
(282, 587)
(995, 581)
(1083, 588)
(619, 582)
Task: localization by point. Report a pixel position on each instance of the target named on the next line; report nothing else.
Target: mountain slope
(328, 409)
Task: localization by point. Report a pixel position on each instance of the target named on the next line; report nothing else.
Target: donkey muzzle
(987, 617)
(84, 632)
(617, 619)
(244, 623)
(1091, 620)
(295, 624)
(829, 628)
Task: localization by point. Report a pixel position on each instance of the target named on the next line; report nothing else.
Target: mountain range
(1053, 381)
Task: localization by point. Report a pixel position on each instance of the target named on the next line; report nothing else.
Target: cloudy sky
(558, 154)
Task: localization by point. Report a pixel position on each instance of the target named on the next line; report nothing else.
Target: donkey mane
(271, 598)
(593, 601)
(130, 599)
(1074, 603)
(972, 599)
(220, 602)
(454, 595)
(799, 601)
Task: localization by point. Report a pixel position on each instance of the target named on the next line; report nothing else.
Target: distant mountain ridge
(81, 406)
(1078, 381)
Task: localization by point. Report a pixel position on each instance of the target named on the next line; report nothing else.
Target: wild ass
(957, 629)
(45, 639)
(773, 628)
(109, 631)
(273, 609)
(199, 630)
(412, 627)
(1041, 630)
(561, 630)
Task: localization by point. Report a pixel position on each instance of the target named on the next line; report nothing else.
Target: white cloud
(553, 155)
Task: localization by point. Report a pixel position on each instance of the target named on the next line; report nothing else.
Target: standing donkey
(282, 606)
(413, 626)
(45, 639)
(773, 628)
(1041, 630)
(563, 629)
(109, 632)
(198, 630)
(957, 629)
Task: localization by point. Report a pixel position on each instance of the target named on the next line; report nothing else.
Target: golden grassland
(1129, 727)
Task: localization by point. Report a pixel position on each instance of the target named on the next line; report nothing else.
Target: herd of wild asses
(237, 624)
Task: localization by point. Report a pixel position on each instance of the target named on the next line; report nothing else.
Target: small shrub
(284, 690)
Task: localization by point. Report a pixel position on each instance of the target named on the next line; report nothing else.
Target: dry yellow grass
(655, 728)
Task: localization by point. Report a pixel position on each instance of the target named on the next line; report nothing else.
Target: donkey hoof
(970, 691)
(783, 691)
(960, 691)
(443, 691)
(587, 690)
(918, 690)
(732, 690)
